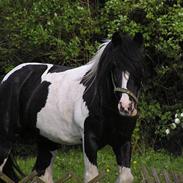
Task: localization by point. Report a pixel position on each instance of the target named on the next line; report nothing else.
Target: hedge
(68, 32)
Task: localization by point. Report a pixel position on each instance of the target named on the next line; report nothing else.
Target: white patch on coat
(47, 177)
(91, 171)
(2, 165)
(125, 175)
(16, 69)
(125, 100)
(62, 118)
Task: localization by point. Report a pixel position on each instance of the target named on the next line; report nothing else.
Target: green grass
(72, 160)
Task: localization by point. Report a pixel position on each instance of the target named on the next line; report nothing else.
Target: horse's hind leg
(7, 164)
(5, 148)
(45, 158)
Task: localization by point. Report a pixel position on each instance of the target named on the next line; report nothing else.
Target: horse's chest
(62, 118)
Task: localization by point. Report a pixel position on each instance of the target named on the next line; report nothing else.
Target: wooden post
(65, 178)
(97, 178)
(29, 177)
(167, 177)
(5, 178)
(176, 179)
(145, 175)
(155, 174)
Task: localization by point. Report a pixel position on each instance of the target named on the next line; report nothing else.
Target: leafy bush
(46, 30)
(66, 32)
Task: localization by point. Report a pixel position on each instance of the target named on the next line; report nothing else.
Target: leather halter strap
(123, 90)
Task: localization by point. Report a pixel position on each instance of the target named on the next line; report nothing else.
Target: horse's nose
(126, 108)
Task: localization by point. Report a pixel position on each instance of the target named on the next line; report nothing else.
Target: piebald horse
(93, 105)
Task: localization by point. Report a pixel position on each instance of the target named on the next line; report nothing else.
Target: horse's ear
(116, 38)
(138, 38)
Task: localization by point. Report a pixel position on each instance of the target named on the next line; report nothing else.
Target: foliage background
(68, 32)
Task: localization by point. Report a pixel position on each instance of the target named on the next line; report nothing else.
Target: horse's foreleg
(45, 158)
(123, 157)
(90, 157)
(47, 175)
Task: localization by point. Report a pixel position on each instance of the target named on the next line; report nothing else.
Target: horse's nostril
(122, 109)
(125, 111)
(130, 107)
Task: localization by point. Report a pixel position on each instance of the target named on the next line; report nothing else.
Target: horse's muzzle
(127, 110)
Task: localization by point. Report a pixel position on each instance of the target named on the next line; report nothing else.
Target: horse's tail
(12, 170)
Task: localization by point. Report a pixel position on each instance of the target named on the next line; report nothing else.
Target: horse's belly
(57, 129)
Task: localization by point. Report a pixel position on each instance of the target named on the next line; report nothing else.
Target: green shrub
(47, 30)
(65, 32)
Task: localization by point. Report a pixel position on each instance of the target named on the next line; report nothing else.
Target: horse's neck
(100, 96)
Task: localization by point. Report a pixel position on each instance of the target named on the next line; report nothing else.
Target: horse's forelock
(128, 57)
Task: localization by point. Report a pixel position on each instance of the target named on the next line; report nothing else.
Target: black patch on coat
(21, 87)
(35, 103)
(58, 68)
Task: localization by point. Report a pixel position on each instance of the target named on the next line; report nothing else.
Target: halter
(123, 90)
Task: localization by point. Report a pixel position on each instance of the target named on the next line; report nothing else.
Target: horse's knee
(125, 175)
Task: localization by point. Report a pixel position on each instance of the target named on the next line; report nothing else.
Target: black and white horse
(94, 104)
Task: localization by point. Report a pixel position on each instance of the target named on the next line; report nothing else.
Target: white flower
(80, 8)
(176, 115)
(181, 114)
(173, 126)
(167, 131)
(177, 120)
(55, 14)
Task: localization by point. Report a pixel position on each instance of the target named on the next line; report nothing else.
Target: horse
(94, 105)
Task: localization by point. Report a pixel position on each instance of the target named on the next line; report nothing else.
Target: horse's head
(127, 70)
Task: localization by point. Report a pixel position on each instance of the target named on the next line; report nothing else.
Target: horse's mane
(91, 74)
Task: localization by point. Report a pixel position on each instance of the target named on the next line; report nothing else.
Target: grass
(72, 160)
